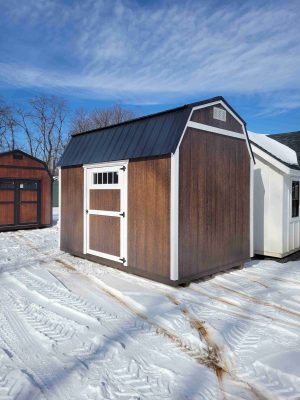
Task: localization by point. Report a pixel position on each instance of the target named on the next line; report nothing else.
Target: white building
(276, 196)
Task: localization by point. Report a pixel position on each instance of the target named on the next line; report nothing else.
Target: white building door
(106, 212)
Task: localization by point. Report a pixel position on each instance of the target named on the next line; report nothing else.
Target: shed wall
(214, 203)
(71, 224)
(269, 225)
(149, 215)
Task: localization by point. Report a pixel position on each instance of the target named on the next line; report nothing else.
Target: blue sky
(154, 55)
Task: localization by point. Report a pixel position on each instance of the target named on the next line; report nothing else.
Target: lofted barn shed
(165, 196)
(25, 192)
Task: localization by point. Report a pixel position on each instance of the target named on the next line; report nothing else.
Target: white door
(106, 212)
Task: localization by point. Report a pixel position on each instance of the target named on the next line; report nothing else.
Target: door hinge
(86, 211)
(122, 214)
(123, 168)
(123, 260)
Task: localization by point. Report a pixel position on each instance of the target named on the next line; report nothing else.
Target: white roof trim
(220, 131)
(213, 103)
(273, 161)
(213, 129)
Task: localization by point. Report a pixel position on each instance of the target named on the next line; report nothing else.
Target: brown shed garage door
(20, 202)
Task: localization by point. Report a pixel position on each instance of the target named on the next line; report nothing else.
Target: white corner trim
(174, 215)
(251, 208)
(59, 205)
(273, 161)
(220, 131)
(85, 202)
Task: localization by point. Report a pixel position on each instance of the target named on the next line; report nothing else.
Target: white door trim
(88, 185)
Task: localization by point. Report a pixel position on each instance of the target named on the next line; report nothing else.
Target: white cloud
(154, 53)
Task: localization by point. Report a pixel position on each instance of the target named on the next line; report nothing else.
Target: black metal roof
(147, 136)
(290, 139)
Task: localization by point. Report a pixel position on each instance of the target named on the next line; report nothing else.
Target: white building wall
(268, 209)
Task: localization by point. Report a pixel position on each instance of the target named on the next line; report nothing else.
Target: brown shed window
(295, 199)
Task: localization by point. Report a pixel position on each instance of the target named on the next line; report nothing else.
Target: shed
(166, 196)
(25, 192)
(276, 194)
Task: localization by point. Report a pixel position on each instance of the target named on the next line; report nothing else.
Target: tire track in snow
(62, 296)
(28, 352)
(80, 306)
(39, 287)
(221, 367)
(214, 354)
(254, 299)
(247, 315)
(137, 382)
(261, 279)
(248, 339)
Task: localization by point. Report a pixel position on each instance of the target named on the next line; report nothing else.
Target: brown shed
(25, 192)
(166, 196)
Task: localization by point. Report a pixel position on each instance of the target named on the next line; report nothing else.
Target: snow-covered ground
(72, 329)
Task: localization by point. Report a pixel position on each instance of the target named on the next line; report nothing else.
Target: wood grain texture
(214, 203)
(72, 209)
(105, 199)
(28, 213)
(149, 215)
(6, 214)
(8, 159)
(17, 171)
(7, 195)
(105, 234)
(205, 116)
(28, 195)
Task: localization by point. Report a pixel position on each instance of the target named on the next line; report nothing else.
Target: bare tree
(42, 125)
(81, 121)
(8, 128)
(99, 118)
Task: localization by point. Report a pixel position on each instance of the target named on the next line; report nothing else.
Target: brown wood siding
(205, 116)
(7, 195)
(28, 213)
(105, 234)
(214, 202)
(149, 215)
(105, 199)
(28, 195)
(6, 214)
(8, 159)
(28, 168)
(72, 180)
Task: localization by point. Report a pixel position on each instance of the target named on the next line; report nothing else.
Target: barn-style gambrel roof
(152, 135)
